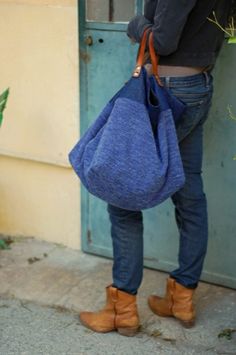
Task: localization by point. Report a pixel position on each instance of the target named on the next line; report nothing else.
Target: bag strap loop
(141, 52)
(153, 55)
(154, 59)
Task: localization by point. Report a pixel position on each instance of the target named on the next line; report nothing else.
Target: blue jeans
(190, 202)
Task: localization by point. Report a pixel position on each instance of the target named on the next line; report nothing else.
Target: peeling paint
(85, 56)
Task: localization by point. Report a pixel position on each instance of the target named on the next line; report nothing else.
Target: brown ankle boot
(120, 313)
(177, 303)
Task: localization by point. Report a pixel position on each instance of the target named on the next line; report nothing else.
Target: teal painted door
(106, 61)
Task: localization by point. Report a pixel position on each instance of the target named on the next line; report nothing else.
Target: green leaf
(2, 106)
(227, 333)
(3, 244)
(3, 101)
(4, 95)
(232, 40)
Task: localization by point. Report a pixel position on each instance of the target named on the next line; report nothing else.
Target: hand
(136, 27)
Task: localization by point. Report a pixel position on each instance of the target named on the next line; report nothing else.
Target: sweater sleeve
(169, 20)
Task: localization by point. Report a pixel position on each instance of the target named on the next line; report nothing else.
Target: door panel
(107, 59)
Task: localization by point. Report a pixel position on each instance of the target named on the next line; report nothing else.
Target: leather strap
(154, 59)
(141, 52)
(153, 55)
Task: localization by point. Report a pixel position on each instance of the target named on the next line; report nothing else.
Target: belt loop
(167, 81)
(206, 78)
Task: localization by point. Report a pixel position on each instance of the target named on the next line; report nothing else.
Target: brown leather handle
(153, 55)
(143, 44)
(154, 58)
(141, 52)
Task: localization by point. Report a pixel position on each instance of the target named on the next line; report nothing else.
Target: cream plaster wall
(39, 200)
(39, 193)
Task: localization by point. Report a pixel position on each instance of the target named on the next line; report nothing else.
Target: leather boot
(120, 313)
(177, 303)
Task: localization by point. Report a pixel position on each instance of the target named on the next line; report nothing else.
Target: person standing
(188, 45)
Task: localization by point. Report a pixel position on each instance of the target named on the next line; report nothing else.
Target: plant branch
(231, 114)
(229, 31)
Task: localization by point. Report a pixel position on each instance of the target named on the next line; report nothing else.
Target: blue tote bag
(130, 157)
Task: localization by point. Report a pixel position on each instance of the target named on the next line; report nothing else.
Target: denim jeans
(190, 202)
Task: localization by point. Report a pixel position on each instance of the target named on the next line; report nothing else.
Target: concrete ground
(43, 286)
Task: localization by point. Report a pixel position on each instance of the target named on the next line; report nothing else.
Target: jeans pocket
(191, 98)
(196, 113)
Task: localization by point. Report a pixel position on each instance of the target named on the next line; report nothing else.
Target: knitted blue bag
(130, 157)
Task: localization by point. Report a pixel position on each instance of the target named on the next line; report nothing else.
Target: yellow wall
(39, 193)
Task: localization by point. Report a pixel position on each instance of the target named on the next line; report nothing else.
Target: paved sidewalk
(43, 286)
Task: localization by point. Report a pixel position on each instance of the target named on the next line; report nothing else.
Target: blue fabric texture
(130, 156)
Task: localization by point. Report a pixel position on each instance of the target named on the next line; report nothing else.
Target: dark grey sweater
(183, 35)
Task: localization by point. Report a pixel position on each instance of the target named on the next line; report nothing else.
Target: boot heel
(128, 332)
(187, 323)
